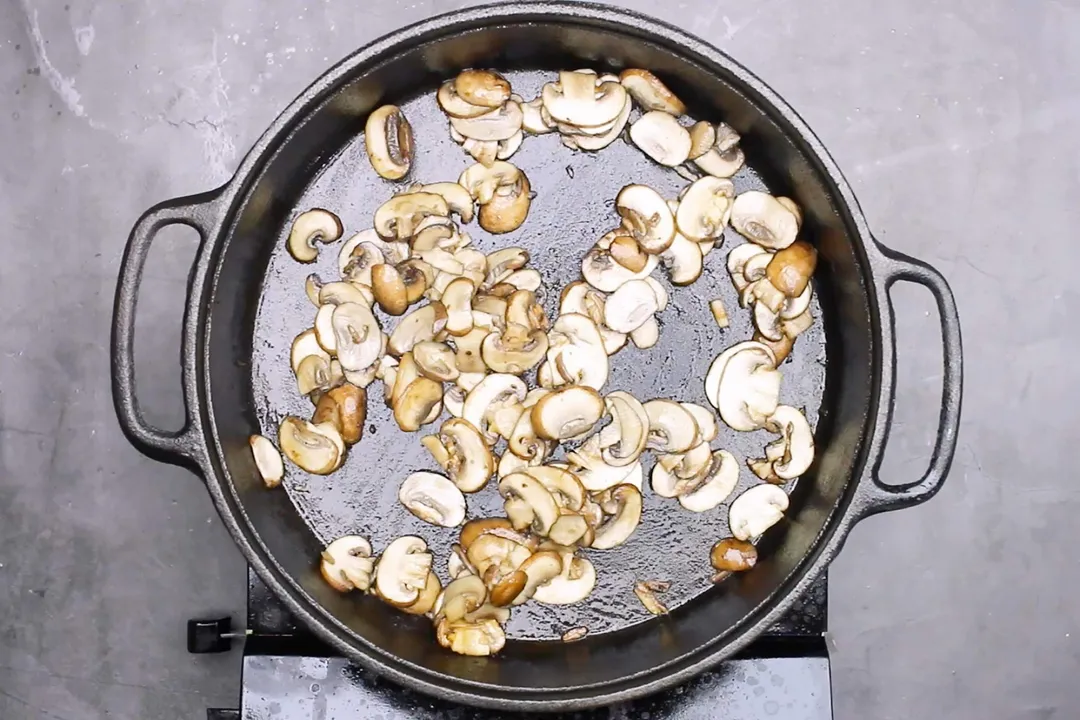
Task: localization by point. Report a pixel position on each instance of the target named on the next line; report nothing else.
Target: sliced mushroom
(630, 306)
(533, 121)
(389, 289)
(482, 182)
(496, 554)
(338, 293)
(267, 460)
(718, 483)
(605, 274)
(457, 299)
(465, 594)
(757, 510)
(719, 313)
(573, 584)
(625, 251)
(456, 106)
(767, 322)
(672, 428)
(529, 505)
(501, 123)
(716, 369)
(593, 142)
(563, 485)
(647, 335)
(495, 389)
(415, 405)
(316, 449)
(702, 138)
(421, 325)
(622, 506)
(540, 569)
(388, 138)
(704, 208)
(508, 207)
(480, 638)
(795, 448)
(623, 441)
(683, 260)
(650, 93)
(646, 593)
(457, 200)
(791, 268)
(749, 388)
(793, 207)
(762, 219)
(661, 292)
(798, 306)
(647, 216)
(358, 255)
(313, 284)
(346, 407)
(436, 360)
(705, 419)
(737, 261)
(721, 164)
(505, 149)
(347, 564)
(469, 357)
(428, 596)
(399, 216)
(515, 350)
(482, 87)
(469, 461)
(313, 375)
(576, 352)
(433, 498)
(578, 99)
(402, 571)
(596, 475)
(662, 138)
(357, 336)
(315, 225)
(567, 412)
(730, 555)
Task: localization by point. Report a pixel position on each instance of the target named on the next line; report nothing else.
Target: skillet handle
(183, 446)
(881, 497)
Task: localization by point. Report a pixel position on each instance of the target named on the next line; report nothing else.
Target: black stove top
(288, 674)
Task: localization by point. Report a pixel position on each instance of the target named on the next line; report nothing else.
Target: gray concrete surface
(955, 122)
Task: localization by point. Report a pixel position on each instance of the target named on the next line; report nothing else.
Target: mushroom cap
(362, 252)
(704, 208)
(760, 218)
(578, 98)
(702, 138)
(731, 555)
(622, 504)
(612, 131)
(647, 216)
(791, 268)
(533, 118)
(433, 498)
(757, 510)
(346, 407)
(662, 138)
(312, 226)
(481, 638)
(496, 555)
(388, 138)
(504, 356)
(428, 596)
(507, 208)
(672, 428)
(347, 564)
(567, 412)
(596, 475)
(402, 570)
(318, 449)
(737, 260)
(561, 483)
(457, 299)
(705, 419)
(482, 87)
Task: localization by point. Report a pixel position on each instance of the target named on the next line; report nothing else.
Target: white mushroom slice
(720, 481)
(420, 325)
(567, 412)
(598, 141)
(436, 360)
(528, 503)
(605, 274)
(462, 596)
(405, 373)
(313, 284)
(316, 225)
(267, 460)
(498, 124)
(305, 345)
(484, 152)
(337, 293)
(749, 389)
(399, 216)
(456, 106)
(622, 505)
(794, 450)
(760, 218)
(523, 440)
(683, 260)
(663, 481)
(623, 441)
(688, 465)
(662, 138)
(454, 401)
(793, 207)
(795, 307)
(647, 335)
(596, 475)
(313, 448)
(493, 389)
(721, 164)
(578, 99)
(525, 279)
(533, 118)
(719, 313)
(757, 510)
(347, 564)
(704, 208)
(358, 255)
(482, 181)
(357, 336)
(402, 571)
(469, 357)
(574, 583)
(479, 639)
(458, 566)
(502, 418)
(576, 351)
(649, 92)
(737, 261)
(630, 306)
(510, 463)
(705, 419)
(433, 498)
(671, 427)
(716, 369)
(647, 216)
(473, 264)
(563, 485)
(417, 404)
(540, 569)
(702, 138)
(388, 138)
(515, 350)
(797, 326)
(482, 87)
(661, 292)
(457, 199)
(506, 148)
(503, 263)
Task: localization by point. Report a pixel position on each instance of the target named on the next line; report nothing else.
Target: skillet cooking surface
(573, 207)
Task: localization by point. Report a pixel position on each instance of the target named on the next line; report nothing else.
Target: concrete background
(955, 122)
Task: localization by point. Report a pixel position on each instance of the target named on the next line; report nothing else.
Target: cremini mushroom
(310, 227)
(514, 350)
(469, 461)
(622, 508)
(347, 564)
(388, 138)
(760, 218)
(533, 118)
(493, 390)
(465, 594)
(647, 216)
(567, 412)
(435, 360)
(267, 460)
(346, 407)
(433, 498)
(457, 299)
(683, 260)
(425, 602)
(705, 208)
(540, 569)
(494, 125)
(793, 207)
(702, 138)
(749, 387)
(576, 353)
(718, 482)
(625, 251)
(482, 87)
(469, 357)
(415, 405)
(729, 555)
(672, 428)
(480, 638)
(399, 216)
(318, 449)
(357, 336)
(757, 510)
(417, 276)
(797, 306)
(508, 207)
(795, 448)
(402, 570)
(358, 255)
(661, 137)
(623, 440)
(579, 99)
(495, 553)
(573, 584)
(529, 505)
(737, 261)
(420, 325)
(647, 335)
(604, 273)
(630, 306)
(389, 289)
(456, 106)
(791, 268)
(482, 181)
(313, 375)
(767, 322)
(650, 92)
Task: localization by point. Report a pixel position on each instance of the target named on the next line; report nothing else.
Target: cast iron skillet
(245, 303)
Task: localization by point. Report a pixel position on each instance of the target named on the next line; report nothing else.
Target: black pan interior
(258, 306)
